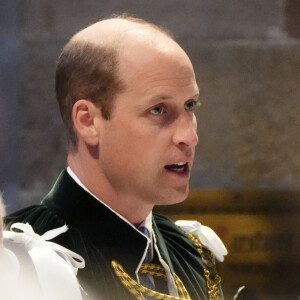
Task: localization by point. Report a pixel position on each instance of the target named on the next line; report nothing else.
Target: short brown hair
(85, 71)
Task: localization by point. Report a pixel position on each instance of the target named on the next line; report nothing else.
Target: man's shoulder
(164, 224)
(38, 216)
(22, 214)
(163, 221)
(171, 233)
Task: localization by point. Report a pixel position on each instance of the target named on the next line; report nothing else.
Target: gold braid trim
(138, 290)
(158, 271)
(213, 279)
(154, 270)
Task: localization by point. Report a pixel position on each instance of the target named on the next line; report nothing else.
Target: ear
(84, 115)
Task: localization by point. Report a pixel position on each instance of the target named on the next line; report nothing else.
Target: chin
(174, 196)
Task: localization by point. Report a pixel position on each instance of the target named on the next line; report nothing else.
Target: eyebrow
(162, 97)
(196, 96)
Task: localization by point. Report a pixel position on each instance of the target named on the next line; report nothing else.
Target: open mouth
(178, 168)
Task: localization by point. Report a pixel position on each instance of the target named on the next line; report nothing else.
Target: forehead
(155, 62)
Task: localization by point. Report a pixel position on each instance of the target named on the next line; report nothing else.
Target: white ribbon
(206, 236)
(31, 239)
(56, 266)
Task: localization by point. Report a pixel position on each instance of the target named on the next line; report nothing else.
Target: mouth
(179, 168)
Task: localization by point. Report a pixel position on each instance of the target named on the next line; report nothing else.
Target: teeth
(179, 170)
(179, 167)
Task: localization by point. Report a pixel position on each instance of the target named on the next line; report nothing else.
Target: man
(127, 94)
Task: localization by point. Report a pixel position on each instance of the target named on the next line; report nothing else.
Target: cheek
(124, 144)
(134, 145)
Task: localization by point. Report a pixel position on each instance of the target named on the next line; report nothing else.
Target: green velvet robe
(100, 236)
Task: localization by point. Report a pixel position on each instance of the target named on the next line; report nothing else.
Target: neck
(128, 206)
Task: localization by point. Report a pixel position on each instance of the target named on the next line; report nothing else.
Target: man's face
(147, 147)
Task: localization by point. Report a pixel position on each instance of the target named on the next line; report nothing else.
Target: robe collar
(117, 238)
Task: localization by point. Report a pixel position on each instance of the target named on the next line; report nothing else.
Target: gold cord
(138, 290)
(213, 279)
(158, 271)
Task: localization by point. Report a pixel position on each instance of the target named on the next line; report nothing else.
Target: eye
(158, 110)
(191, 105)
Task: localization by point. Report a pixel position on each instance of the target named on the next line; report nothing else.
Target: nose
(186, 132)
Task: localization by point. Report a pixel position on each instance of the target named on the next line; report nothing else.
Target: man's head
(88, 68)
(136, 135)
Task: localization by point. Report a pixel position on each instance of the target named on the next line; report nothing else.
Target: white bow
(206, 236)
(31, 239)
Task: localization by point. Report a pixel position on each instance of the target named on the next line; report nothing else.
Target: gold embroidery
(213, 279)
(138, 290)
(158, 271)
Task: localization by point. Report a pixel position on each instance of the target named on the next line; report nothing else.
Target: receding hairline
(114, 32)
